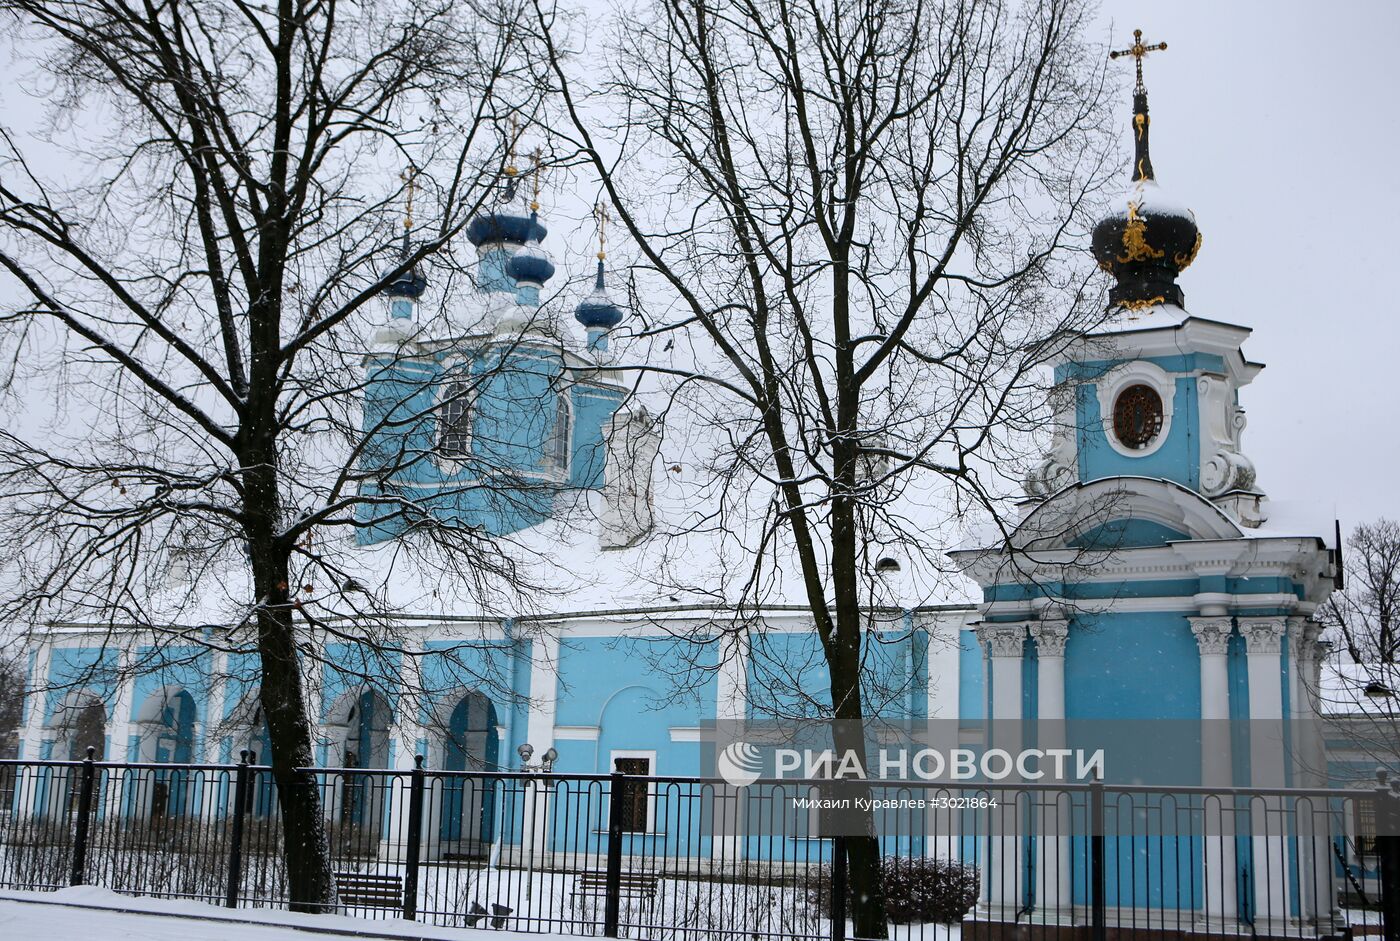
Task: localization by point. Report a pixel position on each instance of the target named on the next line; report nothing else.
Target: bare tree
(1360, 687)
(193, 240)
(860, 228)
(11, 704)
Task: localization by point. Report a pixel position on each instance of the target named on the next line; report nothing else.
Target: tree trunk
(310, 883)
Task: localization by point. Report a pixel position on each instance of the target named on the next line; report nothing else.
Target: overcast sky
(1276, 122)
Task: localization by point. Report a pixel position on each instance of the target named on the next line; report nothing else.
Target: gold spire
(535, 182)
(511, 169)
(410, 179)
(1138, 50)
(600, 213)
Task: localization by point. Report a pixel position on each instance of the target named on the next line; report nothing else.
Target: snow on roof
(1298, 518)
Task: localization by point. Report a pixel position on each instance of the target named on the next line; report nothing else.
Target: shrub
(917, 889)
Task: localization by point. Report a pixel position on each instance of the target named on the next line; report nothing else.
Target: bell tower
(1154, 392)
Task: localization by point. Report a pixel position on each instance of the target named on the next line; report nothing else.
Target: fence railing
(684, 857)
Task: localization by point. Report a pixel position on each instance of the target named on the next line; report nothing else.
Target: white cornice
(1160, 605)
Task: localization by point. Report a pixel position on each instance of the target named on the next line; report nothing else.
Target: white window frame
(445, 400)
(563, 404)
(650, 756)
(1134, 373)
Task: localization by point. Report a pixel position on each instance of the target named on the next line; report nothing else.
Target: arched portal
(166, 722)
(79, 722)
(469, 743)
(89, 730)
(246, 731)
(359, 726)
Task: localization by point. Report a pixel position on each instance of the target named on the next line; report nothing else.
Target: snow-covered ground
(89, 913)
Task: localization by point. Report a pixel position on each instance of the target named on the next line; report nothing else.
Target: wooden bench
(632, 885)
(370, 890)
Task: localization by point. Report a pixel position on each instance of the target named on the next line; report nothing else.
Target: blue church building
(1150, 582)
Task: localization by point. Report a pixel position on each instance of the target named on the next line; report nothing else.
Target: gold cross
(535, 182)
(410, 179)
(1138, 51)
(600, 212)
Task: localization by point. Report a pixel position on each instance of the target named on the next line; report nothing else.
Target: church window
(1137, 416)
(556, 456)
(455, 422)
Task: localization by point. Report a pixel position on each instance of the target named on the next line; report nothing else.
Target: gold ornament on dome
(1142, 304)
(1135, 247)
(1140, 121)
(1183, 259)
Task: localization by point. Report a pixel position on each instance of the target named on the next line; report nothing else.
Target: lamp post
(544, 766)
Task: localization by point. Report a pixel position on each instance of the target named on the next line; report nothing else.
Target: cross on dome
(1138, 50)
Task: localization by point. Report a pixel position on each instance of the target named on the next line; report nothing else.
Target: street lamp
(534, 808)
(546, 762)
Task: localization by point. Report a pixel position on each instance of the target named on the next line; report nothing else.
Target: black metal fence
(664, 857)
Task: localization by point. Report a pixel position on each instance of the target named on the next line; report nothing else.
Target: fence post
(415, 839)
(612, 905)
(235, 853)
(838, 888)
(1098, 918)
(1388, 847)
(80, 834)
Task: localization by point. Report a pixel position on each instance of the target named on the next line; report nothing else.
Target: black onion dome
(1146, 240)
(411, 283)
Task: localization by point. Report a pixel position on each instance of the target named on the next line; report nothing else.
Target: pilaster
(1213, 641)
(1263, 637)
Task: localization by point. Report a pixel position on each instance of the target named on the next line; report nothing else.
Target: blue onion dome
(597, 311)
(511, 228)
(531, 264)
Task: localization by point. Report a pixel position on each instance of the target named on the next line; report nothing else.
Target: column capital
(1263, 635)
(1302, 638)
(1212, 634)
(1003, 638)
(1050, 637)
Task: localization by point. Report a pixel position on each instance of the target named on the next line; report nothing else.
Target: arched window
(455, 422)
(557, 448)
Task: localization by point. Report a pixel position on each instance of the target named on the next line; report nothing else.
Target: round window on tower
(1137, 416)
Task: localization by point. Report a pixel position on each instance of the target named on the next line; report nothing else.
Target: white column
(731, 717)
(539, 732)
(1053, 888)
(1213, 640)
(407, 728)
(30, 790)
(1264, 647)
(1005, 644)
(215, 707)
(944, 688)
(119, 732)
(36, 694)
(1310, 770)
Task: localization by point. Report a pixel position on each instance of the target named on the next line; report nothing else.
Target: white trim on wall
(1120, 377)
